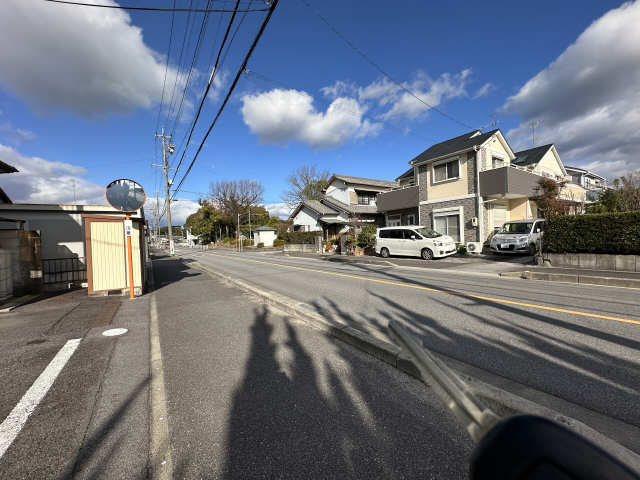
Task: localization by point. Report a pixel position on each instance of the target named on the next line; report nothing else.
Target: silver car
(519, 236)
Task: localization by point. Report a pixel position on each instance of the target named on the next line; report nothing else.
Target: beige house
(467, 186)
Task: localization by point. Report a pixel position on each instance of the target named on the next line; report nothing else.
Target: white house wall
(307, 218)
(340, 191)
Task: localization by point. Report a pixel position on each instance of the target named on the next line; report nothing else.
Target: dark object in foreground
(523, 447)
(534, 448)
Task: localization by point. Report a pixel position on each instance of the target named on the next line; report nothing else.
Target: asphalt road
(253, 393)
(545, 336)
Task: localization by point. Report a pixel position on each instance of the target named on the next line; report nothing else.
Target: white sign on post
(128, 227)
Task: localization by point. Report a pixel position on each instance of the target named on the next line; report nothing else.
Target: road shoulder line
(161, 464)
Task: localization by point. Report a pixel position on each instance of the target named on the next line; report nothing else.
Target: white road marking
(11, 426)
(114, 332)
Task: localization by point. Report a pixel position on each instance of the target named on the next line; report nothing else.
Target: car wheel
(427, 254)
(384, 253)
(532, 249)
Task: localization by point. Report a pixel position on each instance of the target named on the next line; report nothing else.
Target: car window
(409, 233)
(384, 234)
(516, 228)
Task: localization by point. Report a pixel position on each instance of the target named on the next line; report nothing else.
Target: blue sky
(80, 89)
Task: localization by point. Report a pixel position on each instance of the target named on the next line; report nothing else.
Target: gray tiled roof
(463, 142)
(366, 181)
(349, 208)
(531, 156)
(322, 209)
(407, 174)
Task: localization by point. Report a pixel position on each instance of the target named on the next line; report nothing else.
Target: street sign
(128, 227)
(125, 195)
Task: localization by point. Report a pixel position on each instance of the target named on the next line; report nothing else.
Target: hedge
(300, 237)
(612, 233)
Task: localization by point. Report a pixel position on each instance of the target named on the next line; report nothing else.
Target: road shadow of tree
(305, 418)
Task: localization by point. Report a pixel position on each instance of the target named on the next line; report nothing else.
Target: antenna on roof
(494, 122)
(533, 124)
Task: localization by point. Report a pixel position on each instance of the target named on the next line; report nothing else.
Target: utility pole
(165, 167)
(250, 239)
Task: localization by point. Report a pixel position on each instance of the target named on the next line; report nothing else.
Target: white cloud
(90, 61)
(588, 98)
(180, 210)
(282, 116)
(44, 181)
(16, 135)
(278, 210)
(484, 90)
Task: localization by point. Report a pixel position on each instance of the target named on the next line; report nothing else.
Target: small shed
(265, 235)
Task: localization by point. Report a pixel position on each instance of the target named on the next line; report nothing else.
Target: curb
(573, 278)
(501, 400)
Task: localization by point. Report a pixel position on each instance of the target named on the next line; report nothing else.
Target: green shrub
(260, 245)
(300, 237)
(278, 242)
(462, 250)
(613, 233)
(367, 237)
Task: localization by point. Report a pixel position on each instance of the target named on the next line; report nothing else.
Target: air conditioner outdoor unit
(474, 247)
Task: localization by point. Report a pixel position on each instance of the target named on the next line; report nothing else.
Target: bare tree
(235, 196)
(305, 183)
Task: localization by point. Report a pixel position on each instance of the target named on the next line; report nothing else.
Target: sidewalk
(254, 393)
(92, 423)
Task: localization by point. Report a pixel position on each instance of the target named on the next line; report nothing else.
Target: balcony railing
(399, 199)
(508, 182)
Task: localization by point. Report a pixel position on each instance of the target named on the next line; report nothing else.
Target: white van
(414, 241)
(518, 236)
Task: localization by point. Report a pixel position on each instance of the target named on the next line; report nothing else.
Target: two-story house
(468, 185)
(593, 183)
(346, 201)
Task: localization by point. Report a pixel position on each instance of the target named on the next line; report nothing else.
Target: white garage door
(499, 215)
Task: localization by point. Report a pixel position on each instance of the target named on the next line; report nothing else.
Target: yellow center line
(438, 290)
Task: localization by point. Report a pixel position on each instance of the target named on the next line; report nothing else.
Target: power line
(187, 33)
(214, 71)
(203, 29)
(380, 69)
(166, 68)
(157, 9)
(231, 88)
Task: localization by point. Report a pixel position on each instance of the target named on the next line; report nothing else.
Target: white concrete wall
(266, 237)
(340, 191)
(308, 218)
(61, 233)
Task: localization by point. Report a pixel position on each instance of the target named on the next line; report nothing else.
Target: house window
(497, 162)
(448, 225)
(446, 171)
(393, 221)
(411, 219)
(366, 198)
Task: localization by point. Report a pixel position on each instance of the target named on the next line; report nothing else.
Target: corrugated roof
(463, 142)
(531, 156)
(366, 181)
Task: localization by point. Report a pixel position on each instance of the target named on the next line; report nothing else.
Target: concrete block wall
(595, 261)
